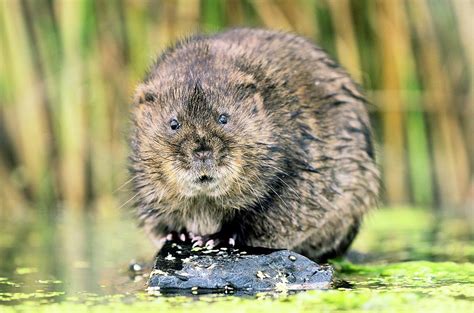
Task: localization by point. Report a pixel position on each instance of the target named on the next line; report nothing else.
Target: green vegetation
(68, 70)
(400, 299)
(67, 73)
(414, 265)
(414, 286)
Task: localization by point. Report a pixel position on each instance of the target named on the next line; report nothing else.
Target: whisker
(125, 183)
(278, 195)
(136, 194)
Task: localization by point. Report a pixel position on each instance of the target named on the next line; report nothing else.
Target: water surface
(405, 260)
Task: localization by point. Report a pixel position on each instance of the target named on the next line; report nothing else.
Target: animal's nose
(202, 154)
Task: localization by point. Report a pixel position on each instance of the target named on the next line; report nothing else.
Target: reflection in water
(70, 255)
(85, 259)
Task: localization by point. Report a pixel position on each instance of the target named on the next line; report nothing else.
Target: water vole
(253, 135)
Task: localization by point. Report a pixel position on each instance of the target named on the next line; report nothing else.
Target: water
(407, 260)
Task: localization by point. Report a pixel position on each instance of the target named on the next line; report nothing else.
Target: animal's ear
(248, 87)
(142, 106)
(246, 90)
(245, 85)
(144, 95)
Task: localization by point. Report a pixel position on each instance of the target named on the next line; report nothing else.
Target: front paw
(181, 236)
(217, 240)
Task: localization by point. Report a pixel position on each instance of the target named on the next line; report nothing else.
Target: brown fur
(294, 166)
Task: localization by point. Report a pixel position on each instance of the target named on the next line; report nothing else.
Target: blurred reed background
(68, 69)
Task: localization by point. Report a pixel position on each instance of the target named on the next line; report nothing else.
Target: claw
(198, 243)
(210, 244)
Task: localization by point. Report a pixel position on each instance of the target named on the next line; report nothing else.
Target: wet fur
(297, 159)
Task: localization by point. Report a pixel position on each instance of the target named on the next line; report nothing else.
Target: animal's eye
(223, 119)
(174, 124)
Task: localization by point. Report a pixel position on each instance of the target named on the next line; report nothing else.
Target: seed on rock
(260, 275)
(292, 258)
(169, 257)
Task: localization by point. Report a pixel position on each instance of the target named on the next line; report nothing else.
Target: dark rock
(178, 267)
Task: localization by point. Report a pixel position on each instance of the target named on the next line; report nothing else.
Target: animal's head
(200, 129)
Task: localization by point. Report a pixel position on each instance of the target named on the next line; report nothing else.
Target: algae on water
(408, 261)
